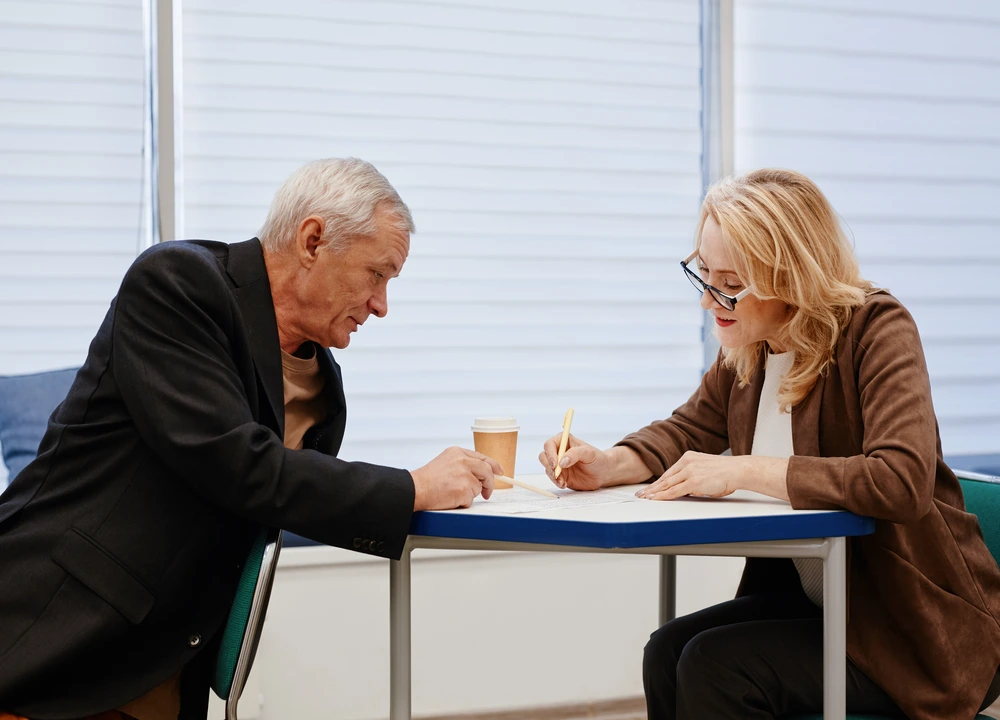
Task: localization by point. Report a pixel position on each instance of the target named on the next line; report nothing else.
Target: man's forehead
(393, 247)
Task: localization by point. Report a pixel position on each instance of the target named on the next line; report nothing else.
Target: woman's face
(752, 320)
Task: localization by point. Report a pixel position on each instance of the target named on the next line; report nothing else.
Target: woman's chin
(728, 340)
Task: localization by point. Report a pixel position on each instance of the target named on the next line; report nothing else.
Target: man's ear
(309, 239)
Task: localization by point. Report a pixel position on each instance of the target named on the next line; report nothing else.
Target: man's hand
(453, 479)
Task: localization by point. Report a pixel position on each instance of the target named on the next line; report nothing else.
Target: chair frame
(255, 620)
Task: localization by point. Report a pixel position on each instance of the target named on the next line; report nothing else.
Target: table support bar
(668, 588)
(835, 629)
(399, 636)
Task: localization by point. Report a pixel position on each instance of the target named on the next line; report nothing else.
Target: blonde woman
(822, 393)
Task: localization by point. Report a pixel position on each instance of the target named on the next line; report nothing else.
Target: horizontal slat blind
(70, 173)
(894, 109)
(550, 152)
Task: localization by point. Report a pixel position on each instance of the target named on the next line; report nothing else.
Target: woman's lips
(723, 323)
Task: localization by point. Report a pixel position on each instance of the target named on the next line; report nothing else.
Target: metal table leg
(399, 636)
(668, 588)
(835, 629)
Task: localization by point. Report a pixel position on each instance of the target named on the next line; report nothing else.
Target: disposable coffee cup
(496, 437)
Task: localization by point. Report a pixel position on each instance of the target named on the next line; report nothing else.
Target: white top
(773, 438)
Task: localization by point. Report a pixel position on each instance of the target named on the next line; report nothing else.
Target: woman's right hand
(584, 467)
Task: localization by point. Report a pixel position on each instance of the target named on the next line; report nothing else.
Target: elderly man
(208, 407)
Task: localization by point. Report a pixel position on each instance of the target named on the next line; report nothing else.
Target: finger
(663, 482)
(582, 453)
(673, 492)
(551, 450)
(480, 469)
(487, 488)
(494, 467)
(674, 469)
(543, 460)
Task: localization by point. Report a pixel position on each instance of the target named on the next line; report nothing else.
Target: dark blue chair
(26, 402)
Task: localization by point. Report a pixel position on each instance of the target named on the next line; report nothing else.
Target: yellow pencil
(526, 486)
(564, 441)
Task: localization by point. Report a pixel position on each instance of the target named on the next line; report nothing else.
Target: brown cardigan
(923, 589)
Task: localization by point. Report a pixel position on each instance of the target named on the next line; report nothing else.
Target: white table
(744, 524)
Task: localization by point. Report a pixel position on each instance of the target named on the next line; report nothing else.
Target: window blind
(894, 109)
(550, 153)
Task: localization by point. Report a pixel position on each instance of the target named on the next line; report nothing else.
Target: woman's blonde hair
(787, 243)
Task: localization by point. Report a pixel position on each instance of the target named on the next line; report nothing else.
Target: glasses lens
(723, 300)
(696, 281)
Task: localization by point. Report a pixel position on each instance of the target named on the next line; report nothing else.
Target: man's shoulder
(189, 265)
(203, 254)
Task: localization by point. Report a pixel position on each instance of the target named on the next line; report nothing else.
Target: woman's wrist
(627, 468)
(765, 475)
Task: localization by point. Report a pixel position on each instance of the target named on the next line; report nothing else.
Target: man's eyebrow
(391, 267)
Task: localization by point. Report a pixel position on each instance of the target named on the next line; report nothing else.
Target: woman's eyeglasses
(726, 301)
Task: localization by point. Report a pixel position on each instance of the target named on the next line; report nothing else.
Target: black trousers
(759, 656)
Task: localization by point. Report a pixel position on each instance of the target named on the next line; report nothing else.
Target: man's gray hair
(345, 192)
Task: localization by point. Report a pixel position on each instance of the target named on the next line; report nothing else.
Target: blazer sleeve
(172, 361)
(894, 477)
(700, 424)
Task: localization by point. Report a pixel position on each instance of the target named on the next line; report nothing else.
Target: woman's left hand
(700, 475)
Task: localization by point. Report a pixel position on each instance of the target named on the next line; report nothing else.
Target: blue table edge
(639, 534)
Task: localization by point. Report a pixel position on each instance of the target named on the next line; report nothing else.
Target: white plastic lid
(495, 424)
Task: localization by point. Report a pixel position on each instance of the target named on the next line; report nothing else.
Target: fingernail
(564, 462)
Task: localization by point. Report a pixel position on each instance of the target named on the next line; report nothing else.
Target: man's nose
(379, 304)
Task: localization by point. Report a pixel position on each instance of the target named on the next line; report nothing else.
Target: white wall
(893, 107)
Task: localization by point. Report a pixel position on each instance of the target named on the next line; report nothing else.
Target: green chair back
(246, 618)
(982, 499)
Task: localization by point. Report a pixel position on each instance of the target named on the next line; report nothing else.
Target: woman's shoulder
(881, 316)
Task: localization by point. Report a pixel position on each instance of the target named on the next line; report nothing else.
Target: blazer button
(194, 640)
(357, 543)
(366, 545)
(380, 546)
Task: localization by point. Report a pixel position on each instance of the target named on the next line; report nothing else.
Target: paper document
(517, 500)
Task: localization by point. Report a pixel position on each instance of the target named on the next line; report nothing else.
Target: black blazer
(122, 543)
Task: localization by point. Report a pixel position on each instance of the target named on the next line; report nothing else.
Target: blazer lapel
(253, 295)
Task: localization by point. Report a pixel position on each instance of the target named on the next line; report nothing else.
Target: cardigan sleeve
(894, 477)
(700, 424)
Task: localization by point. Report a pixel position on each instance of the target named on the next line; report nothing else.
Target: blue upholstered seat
(26, 402)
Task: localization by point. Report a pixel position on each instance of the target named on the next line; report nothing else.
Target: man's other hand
(453, 479)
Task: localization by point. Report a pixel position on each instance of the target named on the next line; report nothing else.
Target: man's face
(339, 291)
